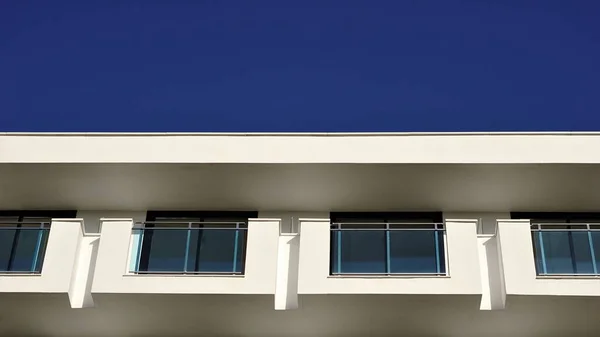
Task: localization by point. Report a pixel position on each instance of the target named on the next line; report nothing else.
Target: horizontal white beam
(473, 148)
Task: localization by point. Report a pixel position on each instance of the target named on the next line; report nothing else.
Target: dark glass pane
(6, 243)
(582, 255)
(217, 250)
(362, 251)
(557, 250)
(26, 251)
(165, 250)
(413, 252)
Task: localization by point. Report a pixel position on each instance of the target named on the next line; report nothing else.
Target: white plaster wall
(518, 262)
(463, 265)
(112, 275)
(59, 261)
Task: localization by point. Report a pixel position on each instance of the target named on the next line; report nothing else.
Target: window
(191, 243)
(387, 244)
(565, 243)
(23, 239)
(566, 249)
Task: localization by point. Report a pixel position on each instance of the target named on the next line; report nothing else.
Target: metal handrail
(145, 272)
(388, 223)
(193, 222)
(189, 225)
(24, 223)
(538, 227)
(25, 228)
(12, 225)
(424, 226)
(388, 274)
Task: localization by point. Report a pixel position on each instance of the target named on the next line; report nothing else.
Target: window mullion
(572, 250)
(235, 246)
(592, 250)
(37, 247)
(387, 248)
(437, 249)
(542, 252)
(339, 249)
(187, 247)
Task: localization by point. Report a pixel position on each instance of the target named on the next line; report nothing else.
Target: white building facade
(299, 234)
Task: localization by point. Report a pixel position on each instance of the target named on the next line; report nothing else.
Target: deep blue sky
(228, 65)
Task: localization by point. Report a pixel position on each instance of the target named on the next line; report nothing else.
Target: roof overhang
(310, 148)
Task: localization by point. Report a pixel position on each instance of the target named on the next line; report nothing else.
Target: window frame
(137, 253)
(538, 220)
(387, 219)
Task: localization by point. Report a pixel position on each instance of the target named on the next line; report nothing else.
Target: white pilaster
(80, 287)
(286, 286)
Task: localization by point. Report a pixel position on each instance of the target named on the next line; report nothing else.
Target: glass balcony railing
(571, 249)
(189, 248)
(388, 249)
(22, 247)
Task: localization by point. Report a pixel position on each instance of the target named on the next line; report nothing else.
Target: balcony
(388, 249)
(548, 258)
(189, 248)
(179, 257)
(389, 258)
(48, 256)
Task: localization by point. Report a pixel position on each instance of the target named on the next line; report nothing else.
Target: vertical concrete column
(493, 295)
(261, 255)
(61, 261)
(491, 274)
(113, 254)
(462, 254)
(80, 288)
(516, 256)
(314, 258)
(286, 286)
